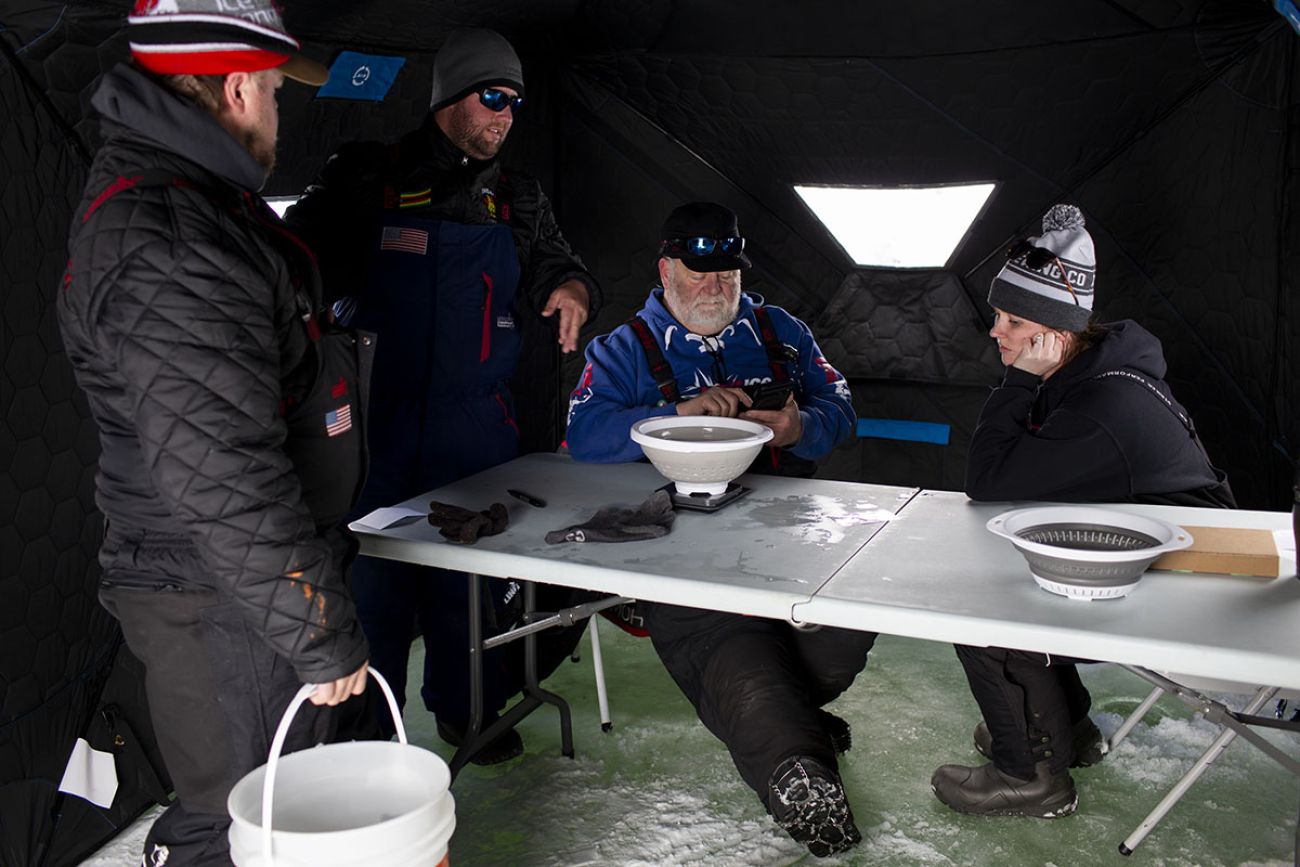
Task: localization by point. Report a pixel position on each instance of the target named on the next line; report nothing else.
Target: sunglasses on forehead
(701, 246)
(499, 100)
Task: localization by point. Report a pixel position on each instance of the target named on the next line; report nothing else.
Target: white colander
(1087, 552)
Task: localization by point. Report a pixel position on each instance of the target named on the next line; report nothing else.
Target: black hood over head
(128, 98)
(1125, 346)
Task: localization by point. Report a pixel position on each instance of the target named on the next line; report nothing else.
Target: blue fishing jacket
(617, 389)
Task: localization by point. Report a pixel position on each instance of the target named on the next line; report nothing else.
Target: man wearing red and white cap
(209, 37)
(228, 408)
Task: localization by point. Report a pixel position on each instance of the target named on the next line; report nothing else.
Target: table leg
(532, 687)
(470, 745)
(1138, 714)
(533, 695)
(1226, 737)
(598, 666)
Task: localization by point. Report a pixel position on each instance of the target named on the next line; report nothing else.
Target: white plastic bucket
(341, 805)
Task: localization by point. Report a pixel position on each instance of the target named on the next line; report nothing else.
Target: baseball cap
(705, 236)
(210, 37)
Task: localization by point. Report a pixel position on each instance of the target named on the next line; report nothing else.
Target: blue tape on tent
(361, 76)
(912, 431)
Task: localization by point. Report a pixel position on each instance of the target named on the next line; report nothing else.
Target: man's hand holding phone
(783, 418)
(770, 395)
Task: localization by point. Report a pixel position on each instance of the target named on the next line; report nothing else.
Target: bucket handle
(277, 744)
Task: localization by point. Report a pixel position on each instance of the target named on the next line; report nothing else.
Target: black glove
(465, 525)
(650, 520)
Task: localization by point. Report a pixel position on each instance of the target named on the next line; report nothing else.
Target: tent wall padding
(1172, 124)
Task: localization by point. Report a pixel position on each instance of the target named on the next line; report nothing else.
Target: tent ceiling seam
(1118, 150)
(933, 55)
(1275, 430)
(1129, 14)
(37, 39)
(670, 181)
(44, 99)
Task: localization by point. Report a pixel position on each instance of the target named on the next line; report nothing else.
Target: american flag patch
(405, 240)
(339, 420)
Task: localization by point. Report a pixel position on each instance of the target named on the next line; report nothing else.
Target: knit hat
(705, 236)
(1050, 279)
(471, 59)
(211, 37)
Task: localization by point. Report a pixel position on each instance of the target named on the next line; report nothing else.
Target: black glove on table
(650, 520)
(465, 526)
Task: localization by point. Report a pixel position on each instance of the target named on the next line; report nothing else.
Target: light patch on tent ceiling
(898, 227)
(280, 204)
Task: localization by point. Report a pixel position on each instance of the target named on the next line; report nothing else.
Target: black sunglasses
(702, 246)
(1038, 258)
(499, 100)
(1035, 257)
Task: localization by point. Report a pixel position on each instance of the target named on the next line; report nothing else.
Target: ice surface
(659, 790)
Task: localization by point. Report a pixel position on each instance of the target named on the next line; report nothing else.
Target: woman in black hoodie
(1083, 415)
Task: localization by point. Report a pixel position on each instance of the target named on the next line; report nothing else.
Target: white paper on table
(382, 519)
(90, 774)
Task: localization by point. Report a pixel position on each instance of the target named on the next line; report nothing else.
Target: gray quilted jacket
(181, 320)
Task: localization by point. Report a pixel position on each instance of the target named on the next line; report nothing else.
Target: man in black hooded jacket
(229, 413)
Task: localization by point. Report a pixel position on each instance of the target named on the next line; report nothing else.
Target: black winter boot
(807, 800)
(986, 791)
(1088, 744)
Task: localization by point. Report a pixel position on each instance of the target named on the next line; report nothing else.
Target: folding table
(760, 555)
(870, 557)
(936, 572)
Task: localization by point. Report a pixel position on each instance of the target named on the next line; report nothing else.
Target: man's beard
(709, 318)
(263, 152)
(472, 141)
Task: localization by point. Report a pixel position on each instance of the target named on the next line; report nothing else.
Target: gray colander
(1086, 552)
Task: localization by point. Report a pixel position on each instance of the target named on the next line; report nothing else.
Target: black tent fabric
(1171, 123)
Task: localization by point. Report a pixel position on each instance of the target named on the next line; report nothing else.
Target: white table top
(936, 572)
(759, 555)
(798, 549)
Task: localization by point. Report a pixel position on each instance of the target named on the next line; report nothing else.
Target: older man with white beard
(701, 346)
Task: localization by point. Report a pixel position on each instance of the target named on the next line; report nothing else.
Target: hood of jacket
(1125, 346)
(131, 104)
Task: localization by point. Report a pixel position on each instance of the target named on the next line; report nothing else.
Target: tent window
(280, 204)
(898, 227)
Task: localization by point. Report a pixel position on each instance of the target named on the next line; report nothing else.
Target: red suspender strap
(779, 356)
(662, 372)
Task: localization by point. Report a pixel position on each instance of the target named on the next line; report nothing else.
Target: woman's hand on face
(1041, 353)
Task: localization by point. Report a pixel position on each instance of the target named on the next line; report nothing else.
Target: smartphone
(770, 395)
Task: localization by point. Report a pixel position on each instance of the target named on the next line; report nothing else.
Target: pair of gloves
(650, 520)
